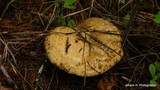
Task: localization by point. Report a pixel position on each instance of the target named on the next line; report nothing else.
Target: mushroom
(89, 49)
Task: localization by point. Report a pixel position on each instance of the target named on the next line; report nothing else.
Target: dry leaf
(5, 88)
(105, 84)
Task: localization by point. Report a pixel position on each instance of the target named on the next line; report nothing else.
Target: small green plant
(126, 18)
(157, 17)
(154, 70)
(122, 1)
(71, 23)
(64, 22)
(68, 4)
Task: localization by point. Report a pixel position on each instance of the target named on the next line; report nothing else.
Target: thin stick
(136, 68)
(123, 6)
(51, 19)
(84, 61)
(51, 79)
(157, 4)
(91, 7)
(133, 13)
(7, 76)
(15, 61)
(71, 14)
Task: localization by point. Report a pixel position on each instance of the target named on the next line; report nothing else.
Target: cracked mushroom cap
(90, 49)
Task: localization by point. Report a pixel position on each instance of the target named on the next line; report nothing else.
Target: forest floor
(25, 23)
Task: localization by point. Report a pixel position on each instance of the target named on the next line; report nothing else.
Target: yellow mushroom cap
(90, 49)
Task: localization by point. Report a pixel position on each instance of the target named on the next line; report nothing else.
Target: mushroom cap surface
(90, 49)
